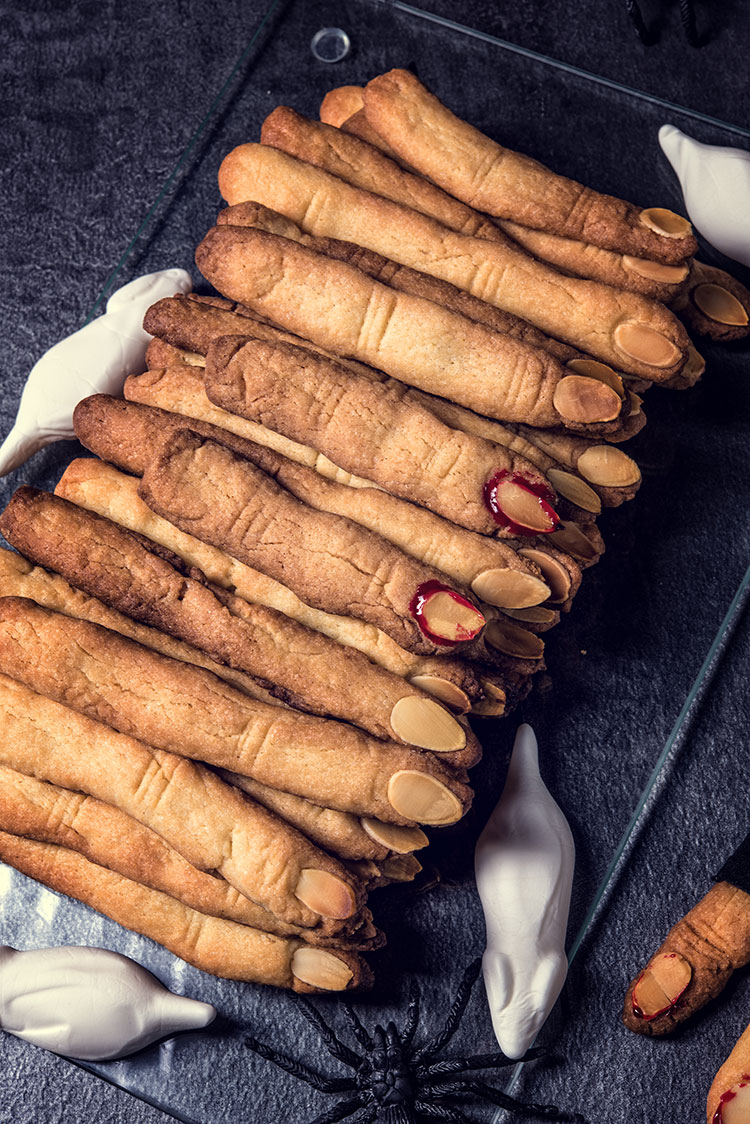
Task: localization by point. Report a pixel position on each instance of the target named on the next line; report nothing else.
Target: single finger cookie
(507, 184)
(694, 963)
(624, 271)
(105, 835)
(419, 343)
(345, 835)
(333, 564)
(380, 431)
(213, 944)
(728, 1099)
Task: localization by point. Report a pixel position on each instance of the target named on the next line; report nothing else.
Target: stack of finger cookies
(331, 521)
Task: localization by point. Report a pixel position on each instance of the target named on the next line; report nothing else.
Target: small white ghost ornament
(524, 865)
(94, 360)
(89, 1003)
(715, 181)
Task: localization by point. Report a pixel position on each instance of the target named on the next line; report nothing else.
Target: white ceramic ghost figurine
(524, 869)
(715, 181)
(89, 1003)
(94, 360)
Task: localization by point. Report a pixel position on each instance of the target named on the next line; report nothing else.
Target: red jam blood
(543, 495)
(463, 631)
(739, 1112)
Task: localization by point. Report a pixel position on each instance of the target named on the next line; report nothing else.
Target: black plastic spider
(395, 1082)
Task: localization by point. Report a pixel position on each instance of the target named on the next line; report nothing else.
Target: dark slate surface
(99, 103)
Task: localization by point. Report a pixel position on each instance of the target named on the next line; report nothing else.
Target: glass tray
(639, 712)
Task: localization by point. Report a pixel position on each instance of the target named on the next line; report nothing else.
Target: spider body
(394, 1081)
(390, 1078)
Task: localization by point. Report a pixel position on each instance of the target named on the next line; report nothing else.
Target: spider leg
(337, 1048)
(342, 1109)
(441, 1112)
(356, 1027)
(482, 1089)
(435, 1071)
(412, 1016)
(687, 15)
(455, 1014)
(636, 16)
(397, 1114)
(298, 1069)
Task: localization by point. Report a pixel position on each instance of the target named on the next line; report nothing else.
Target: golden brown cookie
(214, 945)
(714, 304)
(187, 711)
(382, 432)
(105, 835)
(345, 835)
(694, 963)
(198, 814)
(299, 666)
(509, 185)
(331, 563)
(624, 271)
(627, 330)
(728, 1100)
(415, 341)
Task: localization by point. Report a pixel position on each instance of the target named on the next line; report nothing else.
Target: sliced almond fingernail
(401, 868)
(661, 985)
(718, 304)
(449, 693)
(494, 692)
(645, 344)
(325, 893)
(402, 840)
(512, 640)
(609, 467)
(509, 589)
(556, 575)
(569, 538)
(318, 968)
(537, 614)
(695, 365)
(656, 270)
(635, 402)
(734, 1103)
(487, 708)
(444, 616)
(424, 799)
(426, 724)
(593, 369)
(519, 504)
(572, 488)
(585, 400)
(664, 222)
